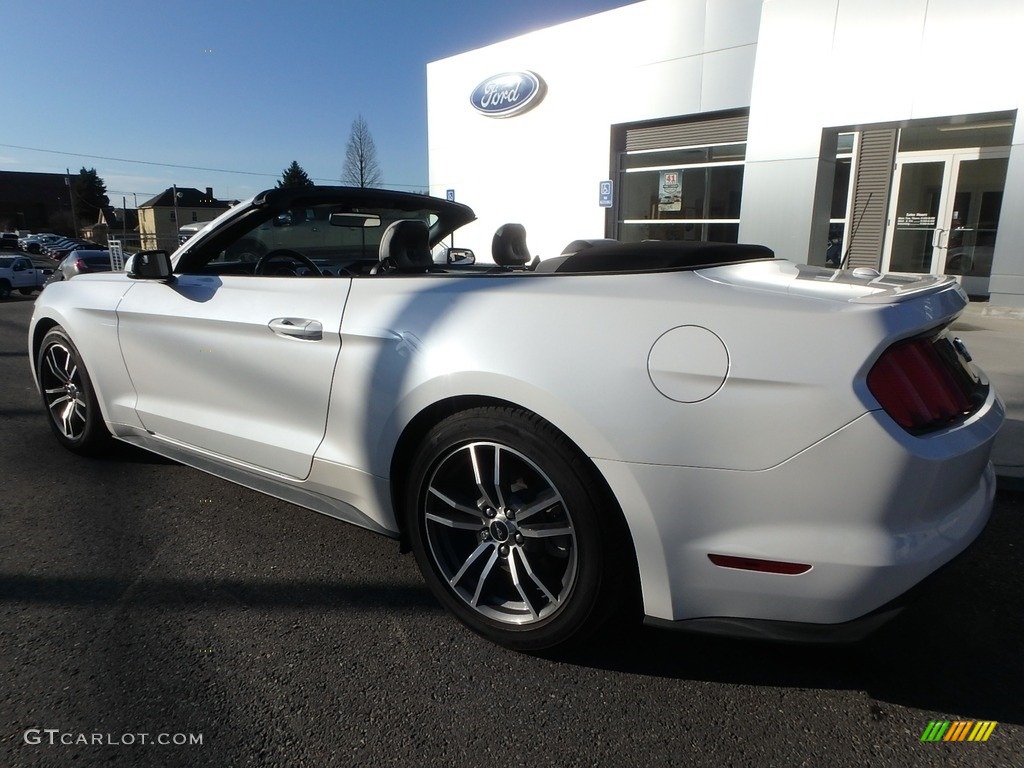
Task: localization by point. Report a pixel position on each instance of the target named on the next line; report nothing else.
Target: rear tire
(5, 289)
(68, 396)
(513, 532)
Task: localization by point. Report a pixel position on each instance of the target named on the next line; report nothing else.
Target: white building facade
(862, 132)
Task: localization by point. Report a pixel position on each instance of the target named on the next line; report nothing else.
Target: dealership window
(838, 231)
(681, 193)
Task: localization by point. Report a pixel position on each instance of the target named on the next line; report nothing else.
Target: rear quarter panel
(575, 350)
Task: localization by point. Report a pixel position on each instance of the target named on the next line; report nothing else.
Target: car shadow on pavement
(209, 594)
(954, 650)
(120, 452)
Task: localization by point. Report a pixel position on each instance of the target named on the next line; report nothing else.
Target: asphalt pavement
(142, 601)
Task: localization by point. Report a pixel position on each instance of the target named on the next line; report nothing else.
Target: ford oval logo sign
(508, 94)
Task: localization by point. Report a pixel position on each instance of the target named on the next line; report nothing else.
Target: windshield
(339, 230)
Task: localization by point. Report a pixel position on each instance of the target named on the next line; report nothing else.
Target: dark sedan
(80, 262)
(57, 254)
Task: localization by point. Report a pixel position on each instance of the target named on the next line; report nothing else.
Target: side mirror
(463, 256)
(150, 265)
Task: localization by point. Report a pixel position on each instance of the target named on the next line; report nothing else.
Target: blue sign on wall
(604, 195)
(508, 94)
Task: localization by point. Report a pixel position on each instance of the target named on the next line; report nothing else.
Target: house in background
(162, 216)
(113, 222)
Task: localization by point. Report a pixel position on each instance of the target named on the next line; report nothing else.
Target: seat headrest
(406, 244)
(508, 247)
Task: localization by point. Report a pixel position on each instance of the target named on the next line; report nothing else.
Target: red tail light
(81, 266)
(925, 384)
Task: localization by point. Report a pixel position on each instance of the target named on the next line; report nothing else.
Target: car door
(239, 366)
(22, 274)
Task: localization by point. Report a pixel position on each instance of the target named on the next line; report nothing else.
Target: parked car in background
(51, 245)
(34, 243)
(728, 441)
(18, 273)
(188, 230)
(58, 254)
(80, 262)
(9, 240)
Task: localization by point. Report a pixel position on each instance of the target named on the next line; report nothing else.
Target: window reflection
(681, 193)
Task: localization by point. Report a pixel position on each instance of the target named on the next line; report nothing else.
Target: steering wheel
(284, 254)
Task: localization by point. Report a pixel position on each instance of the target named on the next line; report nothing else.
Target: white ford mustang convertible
(734, 442)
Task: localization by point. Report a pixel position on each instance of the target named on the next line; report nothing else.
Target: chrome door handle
(297, 328)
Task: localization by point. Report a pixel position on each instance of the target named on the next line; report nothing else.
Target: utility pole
(177, 224)
(71, 197)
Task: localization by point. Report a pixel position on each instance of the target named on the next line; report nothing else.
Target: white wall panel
(781, 221)
(1007, 284)
(973, 58)
(731, 23)
(727, 78)
(875, 65)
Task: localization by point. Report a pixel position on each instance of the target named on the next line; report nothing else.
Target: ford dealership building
(872, 133)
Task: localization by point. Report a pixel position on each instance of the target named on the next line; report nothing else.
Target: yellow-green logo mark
(958, 730)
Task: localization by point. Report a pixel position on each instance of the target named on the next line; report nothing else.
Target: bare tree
(361, 166)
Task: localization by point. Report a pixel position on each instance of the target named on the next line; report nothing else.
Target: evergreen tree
(361, 166)
(90, 195)
(294, 176)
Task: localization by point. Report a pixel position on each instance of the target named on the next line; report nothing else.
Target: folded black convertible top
(654, 256)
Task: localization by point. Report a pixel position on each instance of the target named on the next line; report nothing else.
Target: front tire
(68, 396)
(512, 532)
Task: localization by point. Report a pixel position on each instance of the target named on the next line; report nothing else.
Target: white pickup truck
(19, 273)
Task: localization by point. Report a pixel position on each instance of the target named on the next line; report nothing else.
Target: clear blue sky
(241, 85)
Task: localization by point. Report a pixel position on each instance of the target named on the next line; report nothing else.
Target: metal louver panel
(722, 130)
(871, 197)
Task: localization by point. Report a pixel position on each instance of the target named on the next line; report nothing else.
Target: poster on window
(670, 192)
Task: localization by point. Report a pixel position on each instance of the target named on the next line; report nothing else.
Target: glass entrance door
(914, 220)
(976, 200)
(944, 215)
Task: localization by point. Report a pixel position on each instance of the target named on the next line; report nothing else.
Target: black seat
(404, 248)
(508, 246)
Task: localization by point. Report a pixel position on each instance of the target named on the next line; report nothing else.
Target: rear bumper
(872, 510)
(803, 632)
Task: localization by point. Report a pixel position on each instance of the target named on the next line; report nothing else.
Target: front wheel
(68, 396)
(511, 531)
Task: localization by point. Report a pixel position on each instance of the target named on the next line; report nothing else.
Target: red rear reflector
(919, 386)
(764, 566)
